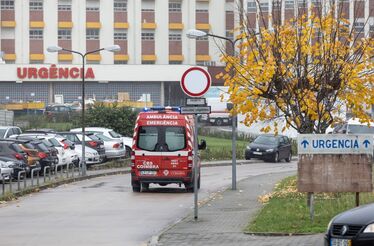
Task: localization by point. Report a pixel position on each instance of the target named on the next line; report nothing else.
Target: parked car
(17, 166)
(51, 142)
(352, 227)
(110, 133)
(12, 150)
(7, 131)
(6, 170)
(354, 126)
(33, 158)
(91, 155)
(90, 141)
(47, 158)
(71, 154)
(113, 148)
(269, 148)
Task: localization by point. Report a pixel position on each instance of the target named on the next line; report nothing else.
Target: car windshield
(102, 137)
(115, 134)
(267, 140)
(54, 142)
(47, 143)
(2, 133)
(154, 138)
(360, 129)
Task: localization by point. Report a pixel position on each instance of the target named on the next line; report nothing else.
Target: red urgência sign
(54, 72)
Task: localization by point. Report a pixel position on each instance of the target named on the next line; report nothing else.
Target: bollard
(32, 175)
(61, 173)
(45, 172)
(37, 177)
(3, 181)
(19, 178)
(10, 184)
(67, 170)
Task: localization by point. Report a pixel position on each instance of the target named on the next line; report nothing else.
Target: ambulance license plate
(148, 172)
(340, 242)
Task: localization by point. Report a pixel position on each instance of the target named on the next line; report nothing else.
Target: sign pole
(196, 169)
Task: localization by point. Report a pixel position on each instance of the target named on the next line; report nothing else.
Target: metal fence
(38, 177)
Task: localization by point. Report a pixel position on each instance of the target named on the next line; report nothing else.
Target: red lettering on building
(54, 73)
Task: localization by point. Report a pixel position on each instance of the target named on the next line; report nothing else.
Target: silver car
(113, 148)
(6, 170)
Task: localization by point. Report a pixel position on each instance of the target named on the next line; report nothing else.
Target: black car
(269, 148)
(353, 227)
(11, 150)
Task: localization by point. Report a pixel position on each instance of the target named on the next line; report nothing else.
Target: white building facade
(151, 33)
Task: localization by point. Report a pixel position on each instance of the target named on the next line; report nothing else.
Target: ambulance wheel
(189, 187)
(135, 186)
(145, 186)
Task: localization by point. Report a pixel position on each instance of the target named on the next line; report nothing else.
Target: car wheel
(288, 159)
(218, 122)
(276, 157)
(128, 152)
(247, 157)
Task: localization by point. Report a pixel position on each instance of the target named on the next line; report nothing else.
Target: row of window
(118, 5)
(94, 34)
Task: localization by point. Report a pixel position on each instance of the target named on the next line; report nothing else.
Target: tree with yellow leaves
(305, 70)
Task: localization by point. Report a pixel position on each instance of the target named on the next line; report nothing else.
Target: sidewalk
(223, 219)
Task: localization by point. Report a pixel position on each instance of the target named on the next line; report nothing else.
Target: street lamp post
(113, 48)
(194, 34)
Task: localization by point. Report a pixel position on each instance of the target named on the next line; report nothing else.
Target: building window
(148, 36)
(92, 5)
(230, 34)
(64, 7)
(64, 34)
(204, 38)
(36, 34)
(120, 5)
(120, 62)
(92, 34)
(359, 27)
(302, 3)
(175, 7)
(93, 9)
(175, 37)
(175, 62)
(7, 5)
(264, 6)
(276, 4)
(202, 11)
(289, 4)
(36, 5)
(251, 7)
(148, 62)
(371, 28)
(120, 35)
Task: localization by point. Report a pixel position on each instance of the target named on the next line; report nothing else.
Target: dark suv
(58, 112)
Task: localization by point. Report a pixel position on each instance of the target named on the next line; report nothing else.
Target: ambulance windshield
(162, 138)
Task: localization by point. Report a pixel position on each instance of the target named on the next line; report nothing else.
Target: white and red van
(162, 151)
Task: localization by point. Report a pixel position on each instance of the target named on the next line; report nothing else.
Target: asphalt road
(105, 211)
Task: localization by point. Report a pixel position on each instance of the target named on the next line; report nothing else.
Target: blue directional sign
(335, 144)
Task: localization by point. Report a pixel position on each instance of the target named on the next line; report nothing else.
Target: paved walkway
(222, 220)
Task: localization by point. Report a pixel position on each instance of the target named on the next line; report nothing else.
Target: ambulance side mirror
(202, 144)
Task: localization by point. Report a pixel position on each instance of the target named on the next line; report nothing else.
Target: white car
(70, 154)
(5, 170)
(7, 131)
(110, 133)
(91, 155)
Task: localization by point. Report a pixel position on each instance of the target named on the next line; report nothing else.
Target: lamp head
(194, 34)
(54, 49)
(113, 48)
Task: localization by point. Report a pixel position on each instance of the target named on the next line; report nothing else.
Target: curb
(279, 234)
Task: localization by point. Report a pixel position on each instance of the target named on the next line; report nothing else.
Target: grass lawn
(220, 148)
(285, 209)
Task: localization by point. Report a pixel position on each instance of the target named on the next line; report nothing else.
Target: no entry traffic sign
(195, 82)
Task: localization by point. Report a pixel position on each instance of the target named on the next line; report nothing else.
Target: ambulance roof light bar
(162, 108)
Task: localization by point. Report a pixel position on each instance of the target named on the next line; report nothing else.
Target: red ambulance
(162, 151)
